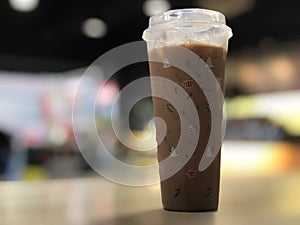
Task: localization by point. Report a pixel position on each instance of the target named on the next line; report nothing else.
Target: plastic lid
(180, 25)
(192, 15)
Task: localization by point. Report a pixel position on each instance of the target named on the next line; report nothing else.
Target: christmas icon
(173, 152)
(207, 107)
(188, 83)
(176, 192)
(209, 62)
(209, 151)
(166, 63)
(191, 131)
(191, 173)
(170, 108)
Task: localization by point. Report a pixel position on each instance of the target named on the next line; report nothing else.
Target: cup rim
(187, 14)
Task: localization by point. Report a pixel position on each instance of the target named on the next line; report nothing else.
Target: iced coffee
(188, 189)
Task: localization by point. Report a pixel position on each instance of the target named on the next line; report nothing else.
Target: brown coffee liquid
(189, 189)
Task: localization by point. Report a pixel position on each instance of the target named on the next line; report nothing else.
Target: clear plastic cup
(190, 187)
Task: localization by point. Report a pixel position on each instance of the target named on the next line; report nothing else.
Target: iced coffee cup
(203, 33)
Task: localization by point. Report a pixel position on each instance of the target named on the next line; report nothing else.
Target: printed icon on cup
(188, 83)
(162, 173)
(208, 192)
(166, 63)
(158, 133)
(176, 90)
(210, 151)
(173, 152)
(191, 173)
(207, 107)
(170, 108)
(176, 192)
(191, 131)
(209, 62)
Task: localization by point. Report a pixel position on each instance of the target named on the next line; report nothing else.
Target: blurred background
(46, 45)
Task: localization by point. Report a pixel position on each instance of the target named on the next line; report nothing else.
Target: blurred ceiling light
(152, 7)
(94, 28)
(230, 8)
(24, 5)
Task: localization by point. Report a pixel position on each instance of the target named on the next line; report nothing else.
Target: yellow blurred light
(253, 158)
(282, 108)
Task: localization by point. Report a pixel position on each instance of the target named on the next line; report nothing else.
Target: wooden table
(262, 200)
